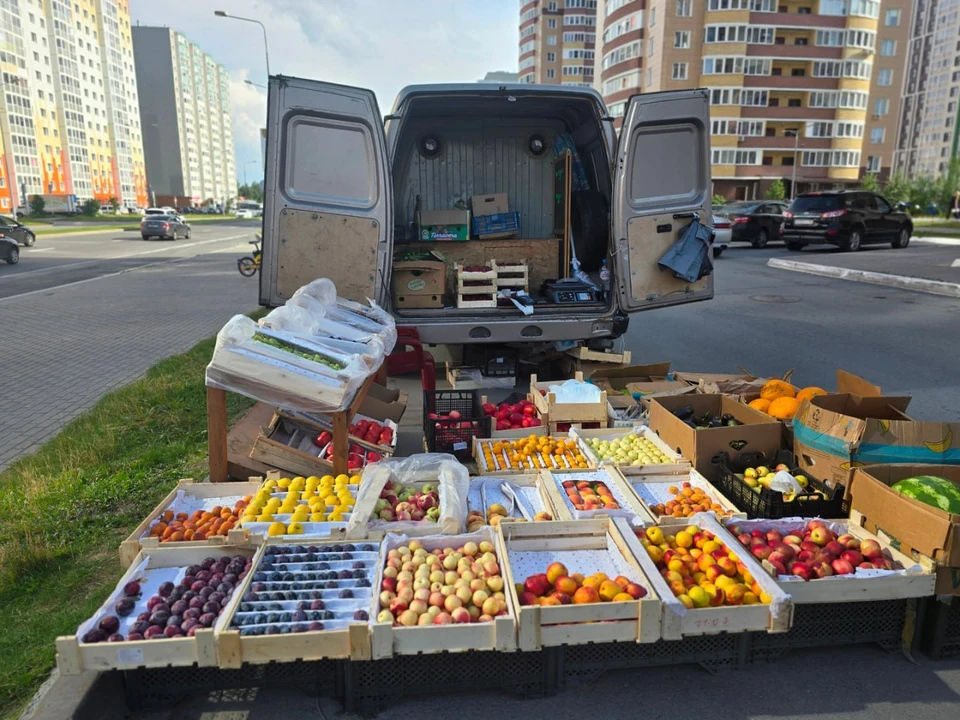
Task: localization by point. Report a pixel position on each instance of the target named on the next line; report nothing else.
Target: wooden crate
(234, 649)
(585, 354)
(467, 302)
(548, 406)
(678, 464)
(536, 466)
(649, 489)
(286, 455)
(75, 657)
(325, 422)
(512, 275)
(500, 634)
(585, 546)
(913, 581)
(630, 508)
(209, 494)
(532, 486)
(679, 622)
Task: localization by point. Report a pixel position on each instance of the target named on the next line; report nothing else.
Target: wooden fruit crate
(585, 546)
(548, 406)
(585, 354)
(477, 301)
(913, 581)
(680, 622)
(653, 489)
(532, 489)
(514, 275)
(187, 496)
(630, 508)
(678, 464)
(325, 422)
(151, 567)
(530, 465)
(500, 634)
(288, 444)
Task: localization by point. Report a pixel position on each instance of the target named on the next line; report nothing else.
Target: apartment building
(928, 129)
(557, 41)
(69, 110)
(188, 129)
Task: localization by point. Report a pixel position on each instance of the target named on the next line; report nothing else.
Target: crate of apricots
(707, 583)
(672, 498)
(192, 515)
(528, 454)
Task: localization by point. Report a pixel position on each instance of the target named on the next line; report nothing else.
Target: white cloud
(379, 44)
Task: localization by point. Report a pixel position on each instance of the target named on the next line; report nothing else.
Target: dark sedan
(755, 222)
(15, 230)
(165, 227)
(9, 250)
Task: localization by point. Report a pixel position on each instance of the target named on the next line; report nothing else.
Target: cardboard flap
(849, 383)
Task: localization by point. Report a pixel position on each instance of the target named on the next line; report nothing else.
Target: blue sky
(378, 44)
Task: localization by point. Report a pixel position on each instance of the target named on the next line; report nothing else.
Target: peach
(609, 590)
(577, 578)
(623, 597)
(585, 594)
(635, 591)
(713, 572)
(549, 600)
(686, 600)
(621, 581)
(564, 598)
(592, 582)
(733, 594)
(554, 571)
(678, 588)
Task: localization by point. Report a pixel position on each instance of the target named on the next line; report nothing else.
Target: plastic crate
(499, 362)
(941, 628)
(457, 441)
(769, 503)
(498, 223)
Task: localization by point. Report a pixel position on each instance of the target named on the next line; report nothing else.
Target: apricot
(565, 585)
(622, 597)
(609, 590)
(585, 594)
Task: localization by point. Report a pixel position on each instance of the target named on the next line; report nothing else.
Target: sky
(378, 44)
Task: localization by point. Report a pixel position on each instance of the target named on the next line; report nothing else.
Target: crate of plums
(306, 599)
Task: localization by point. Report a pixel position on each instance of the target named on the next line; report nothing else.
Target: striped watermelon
(935, 491)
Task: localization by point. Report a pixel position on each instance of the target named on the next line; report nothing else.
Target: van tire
(589, 227)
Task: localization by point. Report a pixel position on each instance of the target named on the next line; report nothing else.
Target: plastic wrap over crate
(347, 338)
(320, 298)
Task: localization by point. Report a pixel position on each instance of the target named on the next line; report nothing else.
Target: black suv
(847, 219)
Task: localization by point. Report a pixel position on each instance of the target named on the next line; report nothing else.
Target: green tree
(37, 204)
(776, 191)
(719, 200)
(896, 188)
(90, 207)
(228, 206)
(950, 183)
(870, 183)
(252, 191)
(114, 203)
(924, 191)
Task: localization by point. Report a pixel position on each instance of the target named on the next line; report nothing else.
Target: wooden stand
(217, 428)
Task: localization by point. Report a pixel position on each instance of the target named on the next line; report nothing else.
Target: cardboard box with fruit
(830, 561)
(313, 506)
(578, 582)
(584, 494)
(301, 602)
(633, 451)
(672, 498)
(516, 497)
(441, 594)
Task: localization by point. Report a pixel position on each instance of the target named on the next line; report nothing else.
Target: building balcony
(798, 20)
(785, 143)
(801, 52)
(789, 82)
(788, 113)
(779, 171)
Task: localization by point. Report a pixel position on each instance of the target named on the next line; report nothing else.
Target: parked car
(848, 219)
(9, 250)
(721, 234)
(245, 214)
(755, 221)
(165, 227)
(17, 231)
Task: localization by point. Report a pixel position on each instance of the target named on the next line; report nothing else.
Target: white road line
(36, 250)
(87, 263)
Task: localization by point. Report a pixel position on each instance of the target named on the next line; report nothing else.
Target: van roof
(495, 89)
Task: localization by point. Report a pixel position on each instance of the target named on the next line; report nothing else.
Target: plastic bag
(786, 483)
(320, 299)
(271, 374)
(297, 320)
(442, 471)
(575, 391)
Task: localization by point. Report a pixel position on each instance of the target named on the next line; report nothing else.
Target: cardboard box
(913, 526)
(495, 210)
(405, 302)
(617, 378)
(384, 402)
(489, 204)
(835, 434)
(422, 277)
(442, 225)
(759, 433)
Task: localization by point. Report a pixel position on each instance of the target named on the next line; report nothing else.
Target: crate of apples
(519, 415)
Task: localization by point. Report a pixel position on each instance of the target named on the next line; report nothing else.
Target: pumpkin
(784, 408)
(774, 389)
(808, 393)
(761, 404)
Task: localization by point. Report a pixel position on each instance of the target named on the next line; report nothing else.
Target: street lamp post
(250, 82)
(793, 177)
(266, 51)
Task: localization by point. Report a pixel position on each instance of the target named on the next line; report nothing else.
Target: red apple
(822, 569)
(871, 549)
(529, 410)
(835, 548)
(778, 566)
(852, 556)
(805, 556)
(528, 598)
(536, 584)
(801, 570)
(842, 567)
(489, 409)
(821, 536)
(867, 566)
(761, 552)
(774, 536)
(744, 539)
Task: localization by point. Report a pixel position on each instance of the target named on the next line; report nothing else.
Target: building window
(551, 23)
(684, 8)
(881, 106)
(680, 71)
(786, 160)
(551, 73)
(551, 57)
(885, 77)
(681, 39)
(798, 72)
(735, 157)
(551, 39)
(876, 135)
(873, 163)
(891, 19)
(650, 49)
(888, 48)
(649, 77)
(621, 54)
(793, 102)
(551, 7)
(653, 16)
(799, 41)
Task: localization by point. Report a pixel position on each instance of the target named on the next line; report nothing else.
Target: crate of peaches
(581, 494)
(528, 454)
(672, 498)
(708, 583)
(193, 514)
(578, 582)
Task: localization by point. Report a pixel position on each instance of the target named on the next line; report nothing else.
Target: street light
(793, 178)
(251, 82)
(266, 51)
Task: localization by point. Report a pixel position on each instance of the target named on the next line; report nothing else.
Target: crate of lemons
(298, 506)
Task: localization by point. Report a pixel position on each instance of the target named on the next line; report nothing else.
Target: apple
(761, 552)
(835, 548)
(389, 583)
(408, 618)
(849, 541)
(774, 536)
(778, 566)
(387, 597)
(442, 618)
(871, 549)
(384, 616)
(398, 606)
(852, 556)
(801, 570)
(842, 567)
(528, 598)
(867, 566)
(792, 539)
(461, 616)
(537, 585)
(822, 569)
(821, 536)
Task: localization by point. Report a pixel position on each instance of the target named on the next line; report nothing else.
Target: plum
(230, 578)
(154, 631)
(207, 619)
(131, 589)
(363, 582)
(314, 626)
(165, 589)
(139, 627)
(285, 629)
(272, 630)
(206, 592)
(116, 637)
(299, 616)
(191, 613)
(196, 602)
(217, 597)
(189, 623)
(317, 605)
(211, 607)
(346, 593)
(250, 597)
(224, 587)
(345, 575)
(188, 580)
(189, 595)
(109, 624)
(175, 620)
(159, 619)
(208, 563)
(361, 615)
(198, 586)
(193, 569)
(178, 607)
(153, 602)
(204, 575)
(359, 574)
(144, 617)
(359, 565)
(172, 631)
(94, 636)
(346, 556)
(367, 548)
(193, 631)
(299, 628)
(135, 636)
(162, 607)
(124, 606)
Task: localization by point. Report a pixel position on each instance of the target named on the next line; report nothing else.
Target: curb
(933, 287)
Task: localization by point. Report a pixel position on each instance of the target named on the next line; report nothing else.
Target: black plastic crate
(499, 362)
(941, 628)
(770, 503)
(453, 436)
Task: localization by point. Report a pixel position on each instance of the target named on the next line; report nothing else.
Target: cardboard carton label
(417, 284)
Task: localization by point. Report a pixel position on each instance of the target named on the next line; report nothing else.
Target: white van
(345, 188)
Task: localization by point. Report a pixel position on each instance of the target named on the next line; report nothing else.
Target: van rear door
(328, 207)
(661, 178)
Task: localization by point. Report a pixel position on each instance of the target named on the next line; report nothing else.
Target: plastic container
(454, 436)
(498, 223)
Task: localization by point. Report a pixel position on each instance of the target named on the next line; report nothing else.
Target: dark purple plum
(191, 613)
(135, 636)
(217, 597)
(204, 575)
(196, 602)
(250, 597)
(211, 607)
(94, 636)
(178, 607)
(159, 619)
(189, 595)
(162, 607)
(344, 575)
(230, 578)
(172, 631)
(144, 617)
(109, 624)
(208, 563)
(165, 589)
(207, 619)
(131, 589)
(358, 565)
(189, 623)
(116, 637)
(361, 615)
(174, 620)
(346, 593)
(140, 627)
(314, 626)
(188, 580)
(193, 569)
(198, 585)
(154, 631)
(153, 602)
(124, 606)
(193, 631)
(317, 605)
(206, 592)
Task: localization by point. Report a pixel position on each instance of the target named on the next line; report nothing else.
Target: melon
(935, 491)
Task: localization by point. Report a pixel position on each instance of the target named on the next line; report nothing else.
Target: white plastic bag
(298, 320)
(320, 299)
(575, 391)
(442, 471)
(786, 483)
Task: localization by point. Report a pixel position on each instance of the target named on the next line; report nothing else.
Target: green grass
(66, 509)
(62, 230)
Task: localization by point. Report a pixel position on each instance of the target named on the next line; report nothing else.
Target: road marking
(955, 263)
(903, 282)
(87, 263)
(36, 250)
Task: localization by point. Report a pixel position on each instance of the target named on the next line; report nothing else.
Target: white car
(245, 214)
(722, 232)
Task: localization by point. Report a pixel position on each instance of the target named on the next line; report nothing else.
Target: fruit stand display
(578, 582)
(315, 506)
(441, 593)
(529, 453)
(162, 611)
(193, 515)
(633, 451)
(301, 602)
(583, 494)
(716, 589)
(514, 497)
(670, 498)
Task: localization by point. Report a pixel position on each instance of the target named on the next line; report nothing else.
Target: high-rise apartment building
(69, 110)
(557, 41)
(928, 132)
(185, 113)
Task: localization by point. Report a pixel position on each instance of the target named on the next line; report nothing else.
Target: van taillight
(833, 214)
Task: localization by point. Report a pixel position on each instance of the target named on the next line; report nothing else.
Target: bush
(870, 183)
(37, 204)
(114, 204)
(719, 200)
(91, 207)
(776, 191)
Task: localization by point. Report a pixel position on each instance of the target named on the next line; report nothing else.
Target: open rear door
(328, 209)
(661, 177)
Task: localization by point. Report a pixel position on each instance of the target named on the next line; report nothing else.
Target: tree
(719, 200)
(90, 207)
(37, 204)
(251, 192)
(113, 203)
(870, 183)
(776, 191)
(228, 206)
(896, 188)
(924, 193)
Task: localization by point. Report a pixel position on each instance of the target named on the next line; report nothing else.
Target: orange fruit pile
(586, 495)
(200, 525)
(532, 453)
(686, 501)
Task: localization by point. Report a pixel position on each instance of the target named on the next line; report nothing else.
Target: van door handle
(681, 216)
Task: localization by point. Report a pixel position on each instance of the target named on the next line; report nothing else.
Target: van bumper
(528, 329)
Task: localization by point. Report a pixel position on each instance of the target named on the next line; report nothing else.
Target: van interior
(540, 162)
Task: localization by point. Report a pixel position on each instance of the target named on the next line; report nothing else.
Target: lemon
(276, 528)
(355, 480)
(326, 492)
(283, 483)
(314, 501)
(265, 517)
(313, 480)
(335, 516)
(318, 517)
(343, 478)
(295, 528)
(270, 483)
(326, 480)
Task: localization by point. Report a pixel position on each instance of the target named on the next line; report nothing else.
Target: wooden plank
(581, 352)
(217, 434)
(340, 442)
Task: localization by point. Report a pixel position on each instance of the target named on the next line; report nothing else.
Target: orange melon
(810, 392)
(761, 404)
(784, 408)
(775, 388)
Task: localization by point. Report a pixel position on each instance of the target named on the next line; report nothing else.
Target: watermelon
(935, 491)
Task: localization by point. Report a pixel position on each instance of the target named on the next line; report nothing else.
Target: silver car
(165, 227)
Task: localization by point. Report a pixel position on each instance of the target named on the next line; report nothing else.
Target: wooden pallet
(582, 353)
